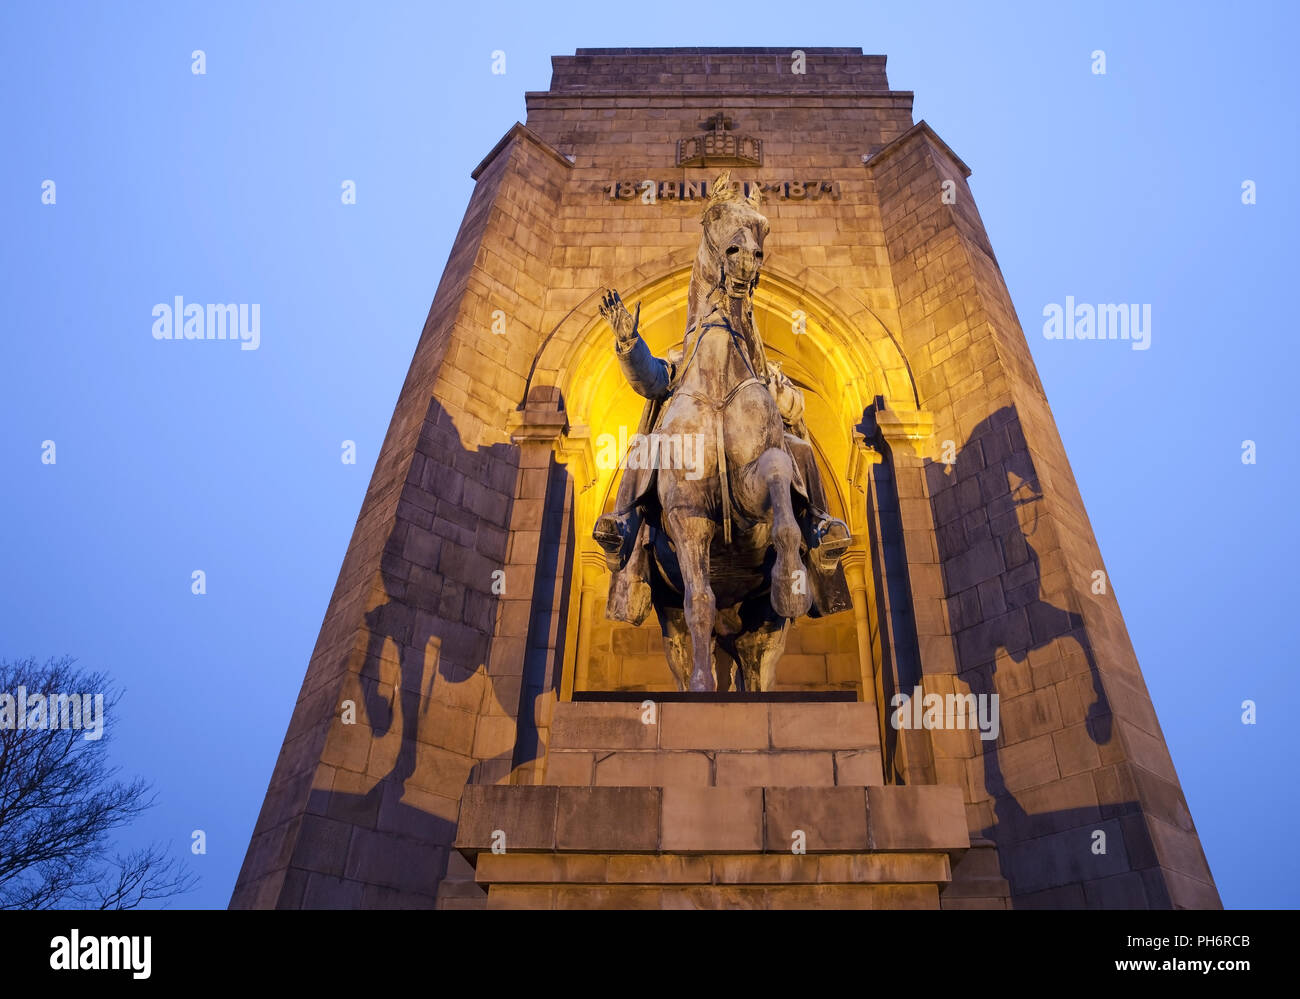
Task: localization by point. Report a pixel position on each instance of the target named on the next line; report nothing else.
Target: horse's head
(731, 250)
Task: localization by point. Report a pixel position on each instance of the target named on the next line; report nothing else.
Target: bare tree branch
(61, 800)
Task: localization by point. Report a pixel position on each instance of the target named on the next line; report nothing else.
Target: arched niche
(842, 357)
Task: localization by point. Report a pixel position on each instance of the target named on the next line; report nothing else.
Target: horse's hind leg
(791, 595)
(692, 535)
(677, 643)
(758, 652)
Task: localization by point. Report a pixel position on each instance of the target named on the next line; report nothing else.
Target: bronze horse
(739, 544)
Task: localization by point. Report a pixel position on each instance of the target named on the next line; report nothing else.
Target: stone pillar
(591, 598)
(855, 572)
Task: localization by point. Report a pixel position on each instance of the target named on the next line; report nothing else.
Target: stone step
(597, 726)
(719, 868)
(537, 818)
(624, 744)
(713, 897)
(665, 768)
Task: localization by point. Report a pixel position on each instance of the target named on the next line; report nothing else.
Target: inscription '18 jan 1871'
(651, 191)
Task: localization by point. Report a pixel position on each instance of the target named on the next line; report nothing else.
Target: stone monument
(888, 684)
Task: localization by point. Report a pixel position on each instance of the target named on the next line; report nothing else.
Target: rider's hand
(615, 312)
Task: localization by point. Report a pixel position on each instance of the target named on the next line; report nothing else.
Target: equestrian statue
(740, 544)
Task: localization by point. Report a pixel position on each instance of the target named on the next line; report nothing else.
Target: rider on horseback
(722, 287)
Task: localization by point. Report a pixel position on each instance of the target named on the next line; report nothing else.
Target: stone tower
(472, 731)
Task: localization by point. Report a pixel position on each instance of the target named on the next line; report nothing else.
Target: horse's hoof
(790, 595)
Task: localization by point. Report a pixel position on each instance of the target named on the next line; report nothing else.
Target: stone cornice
(573, 449)
(920, 128)
(536, 424)
(520, 130)
(641, 98)
(906, 432)
(861, 457)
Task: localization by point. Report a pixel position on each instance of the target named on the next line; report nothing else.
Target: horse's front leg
(692, 535)
(791, 596)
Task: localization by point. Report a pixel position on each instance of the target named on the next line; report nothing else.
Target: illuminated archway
(828, 342)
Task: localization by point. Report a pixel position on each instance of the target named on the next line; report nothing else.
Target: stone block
(541, 868)
(1161, 800)
(324, 891)
(525, 813)
(607, 897)
(655, 768)
(322, 845)
(601, 725)
(608, 819)
(569, 768)
(830, 818)
(635, 868)
(948, 901)
(825, 725)
(1029, 763)
(884, 868)
(521, 897)
(1179, 850)
(713, 897)
(712, 819)
(852, 897)
(713, 726)
(917, 818)
(859, 767)
(1064, 860)
(1076, 752)
(1122, 891)
(1189, 893)
(766, 868)
(758, 769)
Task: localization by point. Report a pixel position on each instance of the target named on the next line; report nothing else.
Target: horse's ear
(755, 195)
(722, 190)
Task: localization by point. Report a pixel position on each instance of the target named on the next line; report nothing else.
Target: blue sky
(225, 187)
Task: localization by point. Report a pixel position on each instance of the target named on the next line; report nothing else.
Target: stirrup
(609, 533)
(833, 539)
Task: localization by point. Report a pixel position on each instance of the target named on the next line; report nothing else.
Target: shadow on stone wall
(389, 820)
(986, 511)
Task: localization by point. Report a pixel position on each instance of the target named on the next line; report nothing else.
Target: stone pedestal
(722, 744)
(712, 805)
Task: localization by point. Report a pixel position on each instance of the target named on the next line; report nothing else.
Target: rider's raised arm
(648, 375)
